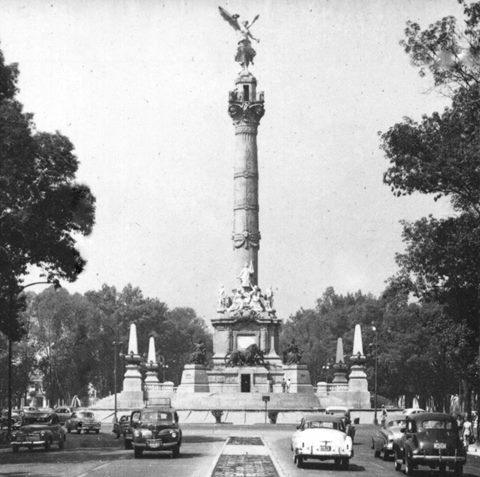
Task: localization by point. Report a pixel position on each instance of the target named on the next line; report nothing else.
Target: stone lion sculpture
(252, 356)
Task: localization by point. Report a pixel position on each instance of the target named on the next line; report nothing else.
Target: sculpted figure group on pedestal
(247, 296)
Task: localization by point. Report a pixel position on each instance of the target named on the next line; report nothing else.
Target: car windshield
(396, 423)
(156, 416)
(86, 414)
(320, 425)
(437, 424)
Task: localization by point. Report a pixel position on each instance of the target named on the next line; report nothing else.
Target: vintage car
(155, 429)
(412, 410)
(344, 412)
(385, 436)
(129, 427)
(63, 413)
(322, 437)
(83, 420)
(120, 427)
(430, 439)
(39, 428)
(15, 419)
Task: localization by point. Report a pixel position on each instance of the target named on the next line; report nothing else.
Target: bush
(217, 414)
(272, 416)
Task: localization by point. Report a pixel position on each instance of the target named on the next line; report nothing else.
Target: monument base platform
(245, 401)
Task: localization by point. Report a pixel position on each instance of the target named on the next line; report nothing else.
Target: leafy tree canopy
(42, 208)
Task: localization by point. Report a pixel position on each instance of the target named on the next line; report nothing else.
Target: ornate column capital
(246, 115)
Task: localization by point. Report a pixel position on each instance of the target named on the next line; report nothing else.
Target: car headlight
(147, 434)
(137, 433)
(173, 434)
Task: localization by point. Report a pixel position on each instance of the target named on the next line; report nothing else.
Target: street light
(375, 419)
(56, 285)
(115, 344)
(161, 361)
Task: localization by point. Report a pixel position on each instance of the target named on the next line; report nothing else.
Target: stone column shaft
(246, 109)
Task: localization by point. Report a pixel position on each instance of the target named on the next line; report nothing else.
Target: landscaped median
(245, 457)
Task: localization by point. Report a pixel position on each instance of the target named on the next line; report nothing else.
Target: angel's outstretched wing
(229, 18)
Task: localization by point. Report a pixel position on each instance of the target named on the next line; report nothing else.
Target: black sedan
(430, 439)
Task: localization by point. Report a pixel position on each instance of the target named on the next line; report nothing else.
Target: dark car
(344, 413)
(387, 435)
(155, 429)
(430, 439)
(15, 418)
(38, 429)
(120, 427)
(83, 420)
(128, 431)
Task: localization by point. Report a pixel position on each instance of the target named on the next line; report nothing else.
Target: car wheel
(97, 431)
(398, 462)
(15, 449)
(376, 453)
(299, 461)
(79, 431)
(137, 452)
(176, 451)
(87, 431)
(337, 462)
(61, 444)
(409, 466)
(458, 470)
(128, 444)
(345, 463)
(47, 446)
(69, 430)
(385, 455)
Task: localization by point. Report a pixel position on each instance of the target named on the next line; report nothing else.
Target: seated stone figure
(199, 355)
(292, 354)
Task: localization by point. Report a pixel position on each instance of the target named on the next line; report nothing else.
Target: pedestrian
(384, 415)
(284, 385)
(467, 431)
(288, 385)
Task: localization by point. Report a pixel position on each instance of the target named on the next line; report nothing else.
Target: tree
(42, 208)
(439, 156)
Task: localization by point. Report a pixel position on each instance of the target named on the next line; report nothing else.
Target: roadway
(103, 455)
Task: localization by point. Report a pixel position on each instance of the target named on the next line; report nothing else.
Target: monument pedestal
(194, 379)
(358, 395)
(299, 378)
(132, 394)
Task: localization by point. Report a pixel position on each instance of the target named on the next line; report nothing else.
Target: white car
(322, 437)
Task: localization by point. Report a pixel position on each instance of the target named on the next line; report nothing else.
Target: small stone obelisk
(151, 365)
(357, 384)
(132, 394)
(339, 368)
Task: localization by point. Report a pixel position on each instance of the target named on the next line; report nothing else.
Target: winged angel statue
(245, 51)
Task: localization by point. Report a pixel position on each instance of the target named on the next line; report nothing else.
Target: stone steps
(244, 401)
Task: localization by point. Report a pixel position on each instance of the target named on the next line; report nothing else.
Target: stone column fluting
(246, 108)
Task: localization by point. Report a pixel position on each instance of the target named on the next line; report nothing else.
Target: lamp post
(115, 344)
(56, 285)
(161, 361)
(375, 419)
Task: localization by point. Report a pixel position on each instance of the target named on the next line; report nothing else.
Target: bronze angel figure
(245, 52)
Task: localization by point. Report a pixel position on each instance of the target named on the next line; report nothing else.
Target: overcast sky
(141, 89)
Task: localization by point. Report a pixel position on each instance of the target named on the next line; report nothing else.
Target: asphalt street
(203, 448)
